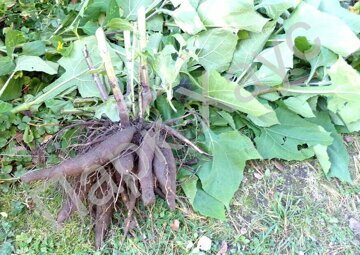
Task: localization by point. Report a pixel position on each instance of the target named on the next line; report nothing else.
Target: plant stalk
(105, 55)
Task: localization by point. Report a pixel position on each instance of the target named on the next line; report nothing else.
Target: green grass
(290, 211)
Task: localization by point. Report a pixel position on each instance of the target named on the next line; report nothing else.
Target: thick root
(146, 156)
(165, 172)
(103, 217)
(99, 155)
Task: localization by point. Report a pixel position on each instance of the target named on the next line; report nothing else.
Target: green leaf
(325, 58)
(35, 64)
(323, 157)
(186, 17)
(299, 105)
(5, 107)
(320, 30)
(266, 120)
(28, 136)
(113, 11)
(333, 7)
(228, 118)
(35, 48)
(293, 139)
(219, 90)
(221, 177)
(130, 8)
(274, 8)
(109, 109)
(168, 69)
(247, 50)
(232, 14)
(343, 94)
(13, 38)
(215, 48)
(337, 151)
(6, 65)
(77, 75)
(199, 199)
(119, 24)
(276, 61)
(208, 205)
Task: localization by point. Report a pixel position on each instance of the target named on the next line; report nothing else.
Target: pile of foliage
(244, 79)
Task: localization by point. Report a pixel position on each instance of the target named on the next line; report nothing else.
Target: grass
(294, 210)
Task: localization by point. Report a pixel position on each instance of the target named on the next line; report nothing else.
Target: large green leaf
(221, 91)
(6, 65)
(274, 8)
(35, 64)
(322, 29)
(299, 105)
(343, 94)
(187, 19)
(277, 61)
(246, 50)
(199, 199)
(231, 14)
(333, 7)
(293, 139)
(130, 7)
(77, 75)
(12, 39)
(337, 152)
(221, 177)
(215, 48)
(325, 59)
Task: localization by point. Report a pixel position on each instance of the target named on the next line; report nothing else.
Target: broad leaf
(35, 64)
(299, 105)
(215, 48)
(337, 151)
(130, 7)
(219, 90)
(333, 7)
(319, 28)
(274, 8)
(246, 50)
(293, 139)
(12, 39)
(231, 14)
(109, 109)
(199, 199)
(221, 177)
(187, 19)
(35, 48)
(77, 75)
(6, 65)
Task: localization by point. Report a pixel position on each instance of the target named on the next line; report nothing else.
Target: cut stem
(145, 94)
(105, 55)
(130, 68)
(95, 76)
